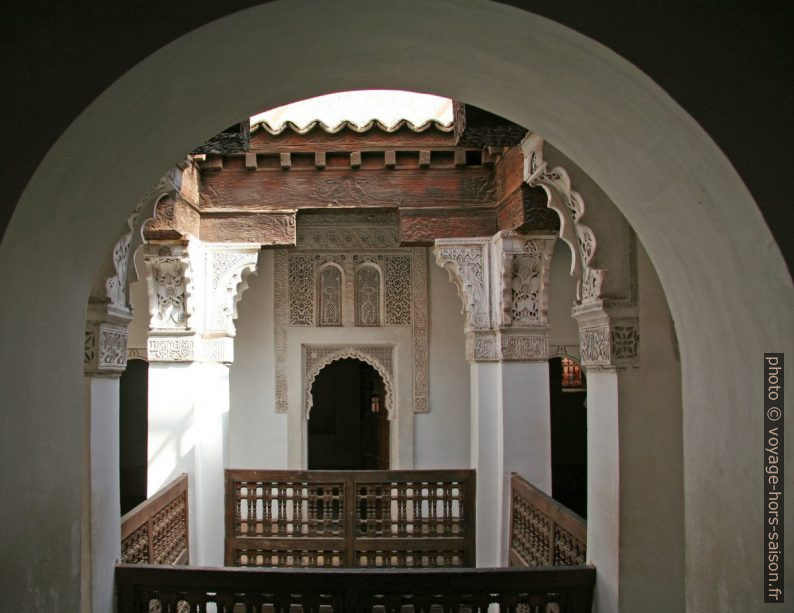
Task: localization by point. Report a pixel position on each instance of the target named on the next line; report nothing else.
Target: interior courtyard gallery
(447, 280)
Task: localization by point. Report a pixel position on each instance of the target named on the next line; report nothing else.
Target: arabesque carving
(602, 342)
(380, 357)
(400, 300)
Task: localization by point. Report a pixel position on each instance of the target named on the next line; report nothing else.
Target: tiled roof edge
(374, 124)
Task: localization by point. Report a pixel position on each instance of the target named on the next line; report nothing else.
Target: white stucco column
(105, 358)
(503, 283)
(635, 478)
(510, 432)
(193, 292)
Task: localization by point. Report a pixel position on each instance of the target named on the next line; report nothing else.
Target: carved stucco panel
(230, 269)
(280, 319)
(420, 329)
(467, 262)
(404, 295)
(380, 357)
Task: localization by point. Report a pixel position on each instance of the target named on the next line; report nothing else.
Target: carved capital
(523, 346)
(507, 345)
(482, 346)
(468, 263)
(105, 341)
(168, 277)
(522, 265)
(193, 294)
(607, 338)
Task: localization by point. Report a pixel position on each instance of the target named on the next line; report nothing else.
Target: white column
(487, 455)
(603, 486)
(511, 432)
(104, 510)
(193, 293)
(635, 471)
(105, 359)
(503, 283)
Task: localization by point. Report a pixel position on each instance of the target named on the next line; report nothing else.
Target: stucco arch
(356, 354)
(726, 283)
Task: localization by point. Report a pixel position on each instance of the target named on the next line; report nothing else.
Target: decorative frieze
(521, 347)
(380, 357)
(105, 341)
(193, 296)
(419, 316)
(506, 346)
(397, 290)
(381, 284)
(468, 261)
(281, 314)
(608, 327)
(595, 345)
(230, 266)
(503, 284)
(192, 348)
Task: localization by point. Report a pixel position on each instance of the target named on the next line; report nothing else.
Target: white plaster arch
(358, 354)
(726, 282)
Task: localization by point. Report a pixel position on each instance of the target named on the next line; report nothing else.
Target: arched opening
(348, 423)
(133, 433)
(654, 184)
(567, 395)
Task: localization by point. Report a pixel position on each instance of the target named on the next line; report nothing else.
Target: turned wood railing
(542, 531)
(309, 519)
(166, 589)
(156, 531)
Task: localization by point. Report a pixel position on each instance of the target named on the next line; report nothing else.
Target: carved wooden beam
(238, 189)
(270, 228)
(479, 128)
(423, 226)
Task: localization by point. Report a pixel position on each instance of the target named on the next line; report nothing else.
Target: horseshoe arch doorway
(348, 423)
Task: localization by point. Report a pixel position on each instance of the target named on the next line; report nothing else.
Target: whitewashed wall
(257, 434)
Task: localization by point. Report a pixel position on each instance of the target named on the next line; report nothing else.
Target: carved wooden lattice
(542, 531)
(156, 531)
(315, 519)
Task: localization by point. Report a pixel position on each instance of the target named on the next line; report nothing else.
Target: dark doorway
(348, 424)
(133, 433)
(568, 434)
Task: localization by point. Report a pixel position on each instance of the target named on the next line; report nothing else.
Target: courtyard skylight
(361, 107)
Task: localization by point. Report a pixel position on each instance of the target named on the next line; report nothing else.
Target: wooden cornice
(444, 191)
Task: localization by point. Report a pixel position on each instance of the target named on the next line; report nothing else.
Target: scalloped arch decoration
(379, 357)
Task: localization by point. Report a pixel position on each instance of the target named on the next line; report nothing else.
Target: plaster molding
(608, 328)
(503, 284)
(280, 322)
(380, 357)
(231, 266)
(468, 262)
(570, 207)
(193, 294)
(420, 319)
(105, 351)
(190, 348)
(403, 293)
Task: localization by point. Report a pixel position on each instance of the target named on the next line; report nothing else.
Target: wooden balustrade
(268, 590)
(308, 519)
(156, 531)
(542, 531)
